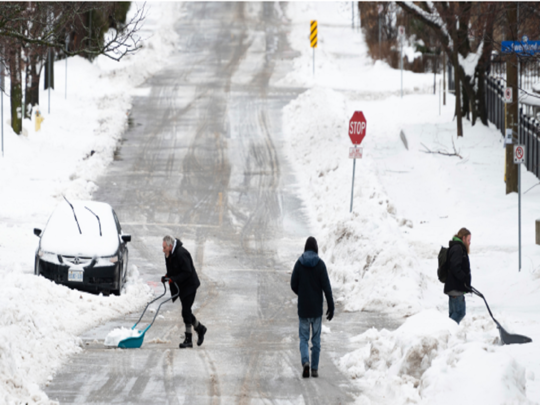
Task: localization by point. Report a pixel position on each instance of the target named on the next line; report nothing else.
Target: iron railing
(529, 126)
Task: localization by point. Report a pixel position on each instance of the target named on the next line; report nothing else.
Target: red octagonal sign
(357, 128)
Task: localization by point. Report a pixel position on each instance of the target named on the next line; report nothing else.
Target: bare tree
(29, 31)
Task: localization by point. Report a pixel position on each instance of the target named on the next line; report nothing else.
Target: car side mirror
(37, 232)
(126, 238)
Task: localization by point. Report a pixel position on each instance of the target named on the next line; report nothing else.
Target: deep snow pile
(432, 360)
(40, 321)
(408, 201)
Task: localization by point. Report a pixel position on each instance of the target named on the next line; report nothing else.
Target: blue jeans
(457, 308)
(304, 332)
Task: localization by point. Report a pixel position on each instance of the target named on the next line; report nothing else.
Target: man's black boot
(187, 342)
(305, 373)
(201, 330)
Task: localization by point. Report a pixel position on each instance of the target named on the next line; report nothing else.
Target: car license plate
(75, 275)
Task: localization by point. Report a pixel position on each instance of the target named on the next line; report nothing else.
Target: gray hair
(169, 240)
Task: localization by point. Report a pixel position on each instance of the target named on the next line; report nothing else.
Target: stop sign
(357, 128)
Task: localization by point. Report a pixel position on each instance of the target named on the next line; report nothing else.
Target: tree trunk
(27, 87)
(15, 75)
(512, 108)
(33, 72)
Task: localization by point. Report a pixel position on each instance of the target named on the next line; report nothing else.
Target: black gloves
(164, 279)
(330, 314)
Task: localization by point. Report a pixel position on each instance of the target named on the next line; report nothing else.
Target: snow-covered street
(281, 173)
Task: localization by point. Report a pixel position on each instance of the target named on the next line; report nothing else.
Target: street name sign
(524, 46)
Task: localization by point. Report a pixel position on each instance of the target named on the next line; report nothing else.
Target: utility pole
(512, 108)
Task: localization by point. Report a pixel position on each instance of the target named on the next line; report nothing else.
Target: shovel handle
(151, 302)
(475, 291)
(167, 300)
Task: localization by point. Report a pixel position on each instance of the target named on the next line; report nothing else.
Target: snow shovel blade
(133, 342)
(506, 338)
(510, 339)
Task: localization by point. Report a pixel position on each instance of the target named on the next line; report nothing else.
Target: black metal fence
(529, 126)
(529, 71)
(529, 133)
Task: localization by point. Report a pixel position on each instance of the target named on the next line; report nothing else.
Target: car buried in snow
(83, 247)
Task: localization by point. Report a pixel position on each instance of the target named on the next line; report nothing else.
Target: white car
(83, 247)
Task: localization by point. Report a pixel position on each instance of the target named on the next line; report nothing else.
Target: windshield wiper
(75, 215)
(97, 219)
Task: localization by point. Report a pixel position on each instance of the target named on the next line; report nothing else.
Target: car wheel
(120, 283)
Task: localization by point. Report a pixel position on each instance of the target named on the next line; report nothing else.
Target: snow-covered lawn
(407, 203)
(40, 321)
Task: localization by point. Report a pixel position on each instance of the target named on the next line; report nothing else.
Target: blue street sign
(524, 47)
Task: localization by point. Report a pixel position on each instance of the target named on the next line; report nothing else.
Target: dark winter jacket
(309, 280)
(459, 268)
(181, 270)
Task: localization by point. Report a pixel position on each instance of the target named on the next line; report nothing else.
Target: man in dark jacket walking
(181, 272)
(458, 280)
(309, 280)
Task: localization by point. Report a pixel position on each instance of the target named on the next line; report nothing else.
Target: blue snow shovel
(135, 342)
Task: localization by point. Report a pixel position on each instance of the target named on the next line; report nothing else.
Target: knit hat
(311, 244)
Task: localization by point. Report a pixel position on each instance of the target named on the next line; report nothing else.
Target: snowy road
(204, 160)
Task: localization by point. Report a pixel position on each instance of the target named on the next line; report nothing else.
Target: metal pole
(401, 60)
(440, 96)
(2, 102)
(352, 10)
(49, 79)
(352, 189)
(2, 109)
(444, 78)
(519, 212)
(434, 76)
(379, 35)
(67, 42)
(518, 142)
(313, 62)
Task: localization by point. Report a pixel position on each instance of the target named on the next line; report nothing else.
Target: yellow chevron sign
(313, 34)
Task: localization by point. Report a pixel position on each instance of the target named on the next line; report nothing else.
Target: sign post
(2, 102)
(357, 132)
(313, 40)
(519, 159)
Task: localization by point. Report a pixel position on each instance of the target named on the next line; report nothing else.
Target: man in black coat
(309, 281)
(458, 279)
(181, 272)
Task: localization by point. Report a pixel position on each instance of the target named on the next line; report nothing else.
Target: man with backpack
(458, 277)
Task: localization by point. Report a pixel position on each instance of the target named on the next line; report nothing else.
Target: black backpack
(442, 270)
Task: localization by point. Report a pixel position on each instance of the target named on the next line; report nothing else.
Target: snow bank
(40, 324)
(432, 360)
(368, 260)
(40, 321)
